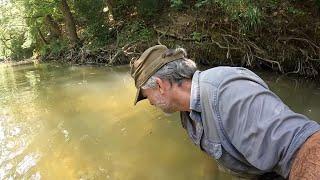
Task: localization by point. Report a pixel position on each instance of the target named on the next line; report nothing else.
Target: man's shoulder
(219, 68)
(226, 74)
(223, 70)
(218, 74)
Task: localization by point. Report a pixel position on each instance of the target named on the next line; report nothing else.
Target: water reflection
(62, 122)
(19, 122)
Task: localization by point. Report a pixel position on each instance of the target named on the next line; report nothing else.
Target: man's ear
(163, 85)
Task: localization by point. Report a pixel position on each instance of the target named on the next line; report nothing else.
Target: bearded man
(230, 113)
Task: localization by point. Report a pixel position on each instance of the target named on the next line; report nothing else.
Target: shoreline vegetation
(21, 62)
(282, 36)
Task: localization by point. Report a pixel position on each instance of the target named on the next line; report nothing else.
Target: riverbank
(287, 40)
(17, 63)
(283, 37)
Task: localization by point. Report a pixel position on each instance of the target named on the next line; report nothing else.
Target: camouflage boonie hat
(148, 64)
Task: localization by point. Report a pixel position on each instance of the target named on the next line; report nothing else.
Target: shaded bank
(284, 39)
(279, 35)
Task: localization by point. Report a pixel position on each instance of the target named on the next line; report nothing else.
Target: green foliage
(196, 36)
(135, 31)
(272, 4)
(177, 4)
(55, 48)
(250, 18)
(19, 52)
(244, 11)
(123, 8)
(202, 3)
(295, 11)
(132, 19)
(15, 40)
(148, 9)
(96, 29)
(36, 10)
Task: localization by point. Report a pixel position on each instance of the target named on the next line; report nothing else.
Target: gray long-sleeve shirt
(256, 131)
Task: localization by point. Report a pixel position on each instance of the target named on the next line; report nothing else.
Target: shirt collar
(195, 93)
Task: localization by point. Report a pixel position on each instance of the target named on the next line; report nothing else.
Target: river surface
(79, 122)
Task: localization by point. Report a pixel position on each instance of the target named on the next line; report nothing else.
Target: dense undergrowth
(280, 35)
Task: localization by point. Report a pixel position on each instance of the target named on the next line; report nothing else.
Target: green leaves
(13, 28)
(177, 4)
(92, 17)
(202, 3)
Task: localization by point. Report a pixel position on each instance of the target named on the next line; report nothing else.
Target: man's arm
(261, 126)
(306, 163)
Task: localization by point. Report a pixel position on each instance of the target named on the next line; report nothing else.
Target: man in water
(230, 113)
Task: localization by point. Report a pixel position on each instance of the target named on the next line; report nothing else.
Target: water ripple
(27, 163)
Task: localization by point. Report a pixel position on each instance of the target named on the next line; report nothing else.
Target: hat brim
(139, 96)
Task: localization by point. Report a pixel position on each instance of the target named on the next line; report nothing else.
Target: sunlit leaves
(12, 26)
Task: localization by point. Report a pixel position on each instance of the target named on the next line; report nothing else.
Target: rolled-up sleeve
(260, 126)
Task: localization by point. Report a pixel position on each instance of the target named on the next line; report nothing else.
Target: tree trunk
(4, 42)
(42, 37)
(70, 24)
(53, 26)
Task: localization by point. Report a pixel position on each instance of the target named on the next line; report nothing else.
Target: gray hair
(175, 72)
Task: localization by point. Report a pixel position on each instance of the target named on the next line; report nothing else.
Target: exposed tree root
(282, 53)
(103, 56)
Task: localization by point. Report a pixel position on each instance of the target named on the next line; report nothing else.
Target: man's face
(159, 100)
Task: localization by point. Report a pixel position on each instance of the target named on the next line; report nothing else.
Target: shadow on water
(73, 122)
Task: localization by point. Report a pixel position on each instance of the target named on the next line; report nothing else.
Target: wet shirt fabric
(236, 119)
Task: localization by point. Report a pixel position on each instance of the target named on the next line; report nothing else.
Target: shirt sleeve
(260, 126)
